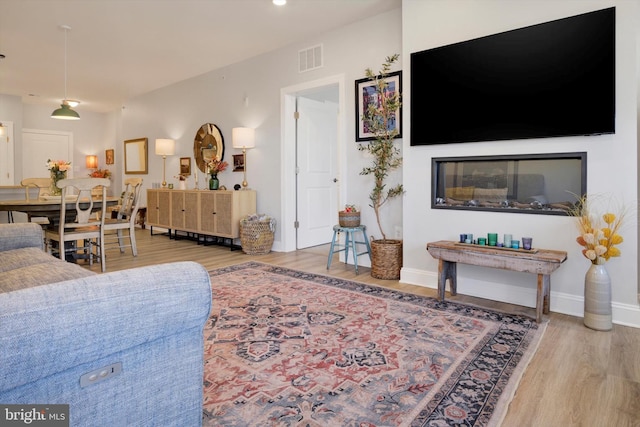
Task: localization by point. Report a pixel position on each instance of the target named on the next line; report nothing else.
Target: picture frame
(136, 156)
(109, 156)
(238, 163)
(366, 93)
(185, 166)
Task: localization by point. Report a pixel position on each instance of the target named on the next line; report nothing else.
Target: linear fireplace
(548, 184)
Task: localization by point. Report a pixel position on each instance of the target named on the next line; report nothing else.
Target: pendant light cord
(66, 30)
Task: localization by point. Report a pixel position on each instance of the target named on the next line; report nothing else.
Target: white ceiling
(118, 49)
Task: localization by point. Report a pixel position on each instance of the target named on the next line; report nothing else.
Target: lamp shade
(65, 113)
(92, 162)
(165, 147)
(243, 137)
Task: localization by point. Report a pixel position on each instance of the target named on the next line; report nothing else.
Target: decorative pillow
(459, 193)
(494, 195)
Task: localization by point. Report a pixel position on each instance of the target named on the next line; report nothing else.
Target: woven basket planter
(256, 237)
(386, 259)
(348, 219)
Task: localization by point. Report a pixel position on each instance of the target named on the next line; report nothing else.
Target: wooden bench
(542, 262)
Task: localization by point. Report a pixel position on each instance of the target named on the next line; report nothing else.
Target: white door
(7, 161)
(38, 146)
(317, 188)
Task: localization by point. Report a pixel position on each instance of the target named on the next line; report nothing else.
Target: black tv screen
(547, 80)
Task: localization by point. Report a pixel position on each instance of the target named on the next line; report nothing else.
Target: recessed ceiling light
(279, 2)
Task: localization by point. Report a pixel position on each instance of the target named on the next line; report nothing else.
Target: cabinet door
(152, 211)
(177, 210)
(191, 211)
(208, 212)
(224, 214)
(164, 204)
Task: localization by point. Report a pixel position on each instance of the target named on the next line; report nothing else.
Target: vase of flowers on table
(215, 166)
(58, 170)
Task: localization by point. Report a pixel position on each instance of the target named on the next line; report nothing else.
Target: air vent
(310, 58)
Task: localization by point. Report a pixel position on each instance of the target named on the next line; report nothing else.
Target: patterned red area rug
(288, 348)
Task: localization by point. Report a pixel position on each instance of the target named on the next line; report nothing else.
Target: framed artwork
(238, 163)
(185, 166)
(108, 155)
(367, 94)
(136, 155)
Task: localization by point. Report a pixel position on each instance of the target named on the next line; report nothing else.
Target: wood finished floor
(578, 377)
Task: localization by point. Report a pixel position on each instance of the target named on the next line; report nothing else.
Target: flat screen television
(547, 80)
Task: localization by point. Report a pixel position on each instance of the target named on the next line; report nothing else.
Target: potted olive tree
(386, 254)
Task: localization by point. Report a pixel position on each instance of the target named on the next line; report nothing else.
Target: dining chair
(44, 189)
(125, 219)
(80, 228)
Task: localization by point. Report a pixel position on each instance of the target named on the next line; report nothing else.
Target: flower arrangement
(350, 209)
(58, 170)
(56, 166)
(216, 166)
(599, 234)
(349, 217)
(100, 173)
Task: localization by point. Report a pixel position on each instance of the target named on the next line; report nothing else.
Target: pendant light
(65, 112)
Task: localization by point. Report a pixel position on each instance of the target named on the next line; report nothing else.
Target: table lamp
(243, 138)
(164, 148)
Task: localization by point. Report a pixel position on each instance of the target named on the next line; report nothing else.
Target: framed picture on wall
(367, 94)
(238, 163)
(185, 166)
(108, 155)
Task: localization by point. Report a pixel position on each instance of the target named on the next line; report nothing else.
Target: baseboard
(573, 305)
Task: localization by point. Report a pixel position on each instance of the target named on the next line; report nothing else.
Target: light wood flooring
(578, 377)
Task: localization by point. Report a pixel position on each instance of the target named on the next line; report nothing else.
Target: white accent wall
(612, 162)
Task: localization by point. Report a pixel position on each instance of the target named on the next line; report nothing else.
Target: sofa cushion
(27, 267)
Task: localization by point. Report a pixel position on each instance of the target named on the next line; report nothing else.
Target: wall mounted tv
(547, 80)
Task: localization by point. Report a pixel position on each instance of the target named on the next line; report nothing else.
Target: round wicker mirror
(207, 144)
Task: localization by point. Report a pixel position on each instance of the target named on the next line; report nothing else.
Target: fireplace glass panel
(536, 183)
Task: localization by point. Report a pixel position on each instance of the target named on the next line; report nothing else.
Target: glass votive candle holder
(492, 239)
(515, 244)
(482, 241)
(463, 237)
(507, 240)
(526, 243)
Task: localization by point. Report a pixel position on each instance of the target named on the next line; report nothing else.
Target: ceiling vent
(310, 58)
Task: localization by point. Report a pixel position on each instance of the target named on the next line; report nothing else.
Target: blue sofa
(122, 348)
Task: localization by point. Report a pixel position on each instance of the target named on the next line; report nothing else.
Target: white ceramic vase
(597, 298)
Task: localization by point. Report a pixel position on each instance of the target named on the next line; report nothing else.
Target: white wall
(612, 162)
(92, 134)
(219, 97)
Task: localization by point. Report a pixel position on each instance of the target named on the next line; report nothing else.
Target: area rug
(288, 348)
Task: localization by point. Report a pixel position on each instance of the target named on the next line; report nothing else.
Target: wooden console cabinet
(213, 213)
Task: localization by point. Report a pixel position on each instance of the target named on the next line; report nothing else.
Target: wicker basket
(256, 237)
(348, 219)
(386, 259)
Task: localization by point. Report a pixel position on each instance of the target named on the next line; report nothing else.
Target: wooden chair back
(82, 187)
(130, 198)
(42, 184)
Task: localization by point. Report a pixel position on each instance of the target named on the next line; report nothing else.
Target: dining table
(49, 206)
